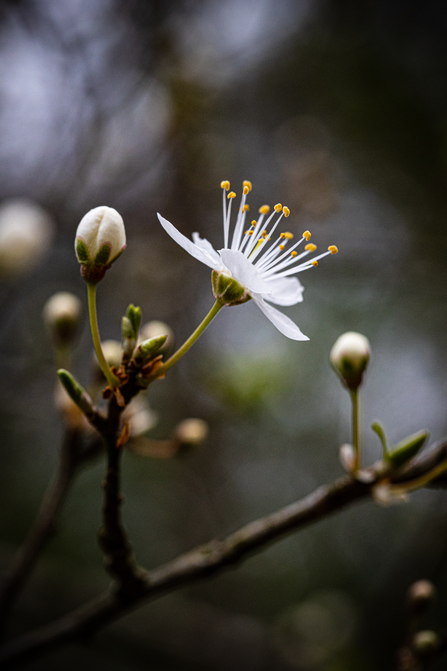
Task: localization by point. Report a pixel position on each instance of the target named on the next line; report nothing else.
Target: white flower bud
(191, 432)
(350, 356)
(113, 354)
(61, 314)
(100, 239)
(25, 235)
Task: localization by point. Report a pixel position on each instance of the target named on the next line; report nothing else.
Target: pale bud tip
(350, 356)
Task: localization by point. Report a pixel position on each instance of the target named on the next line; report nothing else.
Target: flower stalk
(110, 377)
(356, 429)
(218, 305)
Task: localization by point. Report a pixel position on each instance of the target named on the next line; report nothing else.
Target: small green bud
(227, 289)
(426, 642)
(134, 315)
(128, 337)
(407, 448)
(350, 357)
(148, 348)
(76, 392)
(156, 328)
(62, 316)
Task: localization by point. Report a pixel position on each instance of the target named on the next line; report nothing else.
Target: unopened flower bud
(100, 239)
(113, 354)
(227, 289)
(156, 328)
(26, 230)
(420, 595)
(191, 432)
(61, 314)
(350, 356)
(426, 642)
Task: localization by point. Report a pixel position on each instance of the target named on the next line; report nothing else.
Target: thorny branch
(207, 560)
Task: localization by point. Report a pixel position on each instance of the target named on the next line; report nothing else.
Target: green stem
(356, 429)
(192, 338)
(111, 378)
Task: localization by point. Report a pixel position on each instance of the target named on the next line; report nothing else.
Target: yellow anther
(245, 190)
(253, 223)
(281, 247)
(333, 249)
(286, 211)
(307, 235)
(247, 184)
(264, 233)
(288, 236)
(293, 253)
(250, 232)
(310, 247)
(315, 263)
(231, 195)
(225, 185)
(245, 208)
(265, 209)
(278, 207)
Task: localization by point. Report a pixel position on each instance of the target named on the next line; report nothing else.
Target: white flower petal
(282, 323)
(244, 271)
(285, 291)
(195, 251)
(207, 247)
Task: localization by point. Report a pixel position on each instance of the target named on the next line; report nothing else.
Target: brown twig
(45, 525)
(200, 563)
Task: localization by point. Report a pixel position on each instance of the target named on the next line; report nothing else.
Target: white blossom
(263, 264)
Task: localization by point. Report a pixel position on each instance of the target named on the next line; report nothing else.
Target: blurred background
(336, 108)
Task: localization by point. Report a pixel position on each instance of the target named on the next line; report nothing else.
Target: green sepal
(148, 348)
(76, 392)
(407, 448)
(227, 289)
(133, 313)
(103, 255)
(81, 251)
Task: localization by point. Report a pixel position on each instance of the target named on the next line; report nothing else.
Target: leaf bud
(62, 316)
(100, 240)
(407, 448)
(227, 289)
(350, 356)
(76, 392)
(156, 328)
(148, 348)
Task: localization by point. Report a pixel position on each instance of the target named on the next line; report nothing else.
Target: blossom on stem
(262, 265)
